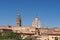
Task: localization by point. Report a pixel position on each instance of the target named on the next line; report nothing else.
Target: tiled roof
(54, 32)
(27, 33)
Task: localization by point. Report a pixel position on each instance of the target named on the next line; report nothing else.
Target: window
(45, 39)
(56, 38)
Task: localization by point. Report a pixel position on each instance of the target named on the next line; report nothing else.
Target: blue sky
(48, 12)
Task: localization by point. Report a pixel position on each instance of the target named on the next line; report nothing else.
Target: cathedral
(36, 30)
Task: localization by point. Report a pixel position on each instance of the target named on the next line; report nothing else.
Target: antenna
(36, 14)
(18, 11)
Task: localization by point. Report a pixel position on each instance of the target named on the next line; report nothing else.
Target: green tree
(1, 38)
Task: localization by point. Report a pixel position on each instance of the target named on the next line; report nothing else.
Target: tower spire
(18, 20)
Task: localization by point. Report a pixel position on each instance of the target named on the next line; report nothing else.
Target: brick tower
(18, 20)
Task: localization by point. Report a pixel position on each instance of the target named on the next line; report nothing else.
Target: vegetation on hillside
(14, 36)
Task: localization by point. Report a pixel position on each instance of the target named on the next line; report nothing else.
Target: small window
(52, 37)
(45, 39)
(56, 38)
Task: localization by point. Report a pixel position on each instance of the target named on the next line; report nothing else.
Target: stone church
(36, 30)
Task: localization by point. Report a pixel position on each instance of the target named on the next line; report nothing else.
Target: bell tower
(18, 20)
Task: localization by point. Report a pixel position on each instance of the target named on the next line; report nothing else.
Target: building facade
(36, 30)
